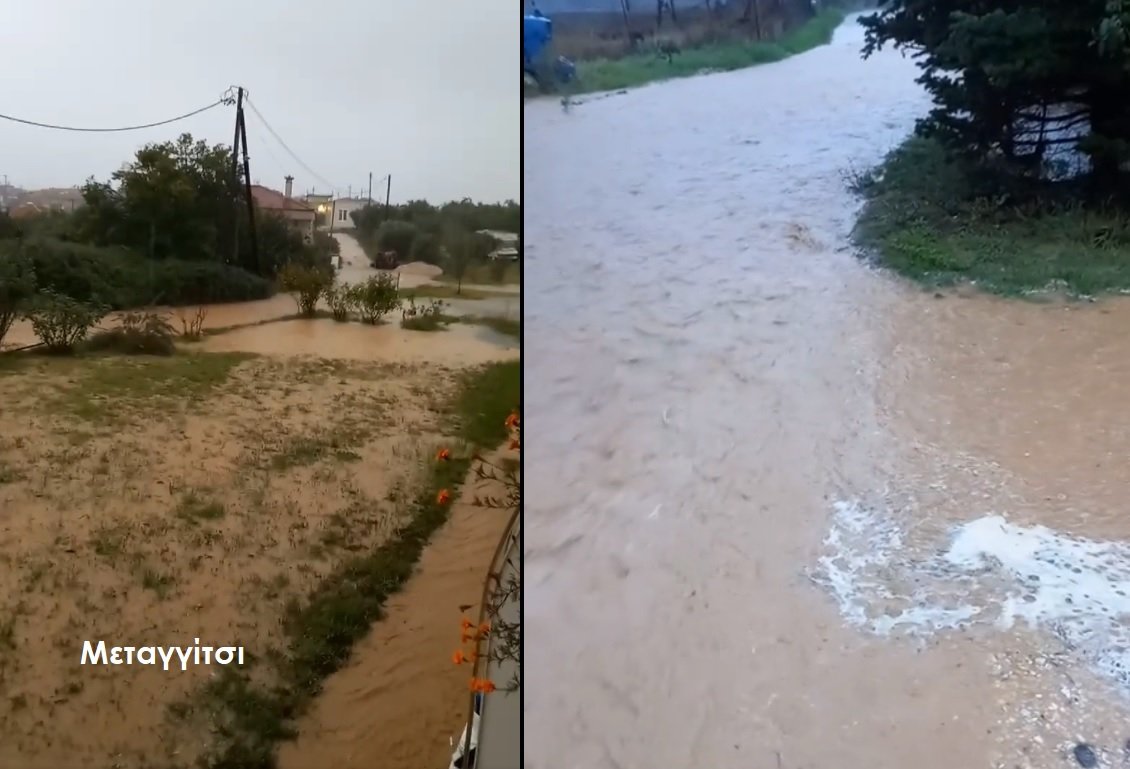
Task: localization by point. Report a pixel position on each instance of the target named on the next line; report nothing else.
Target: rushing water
(785, 510)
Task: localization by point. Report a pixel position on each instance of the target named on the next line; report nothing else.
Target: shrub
(326, 243)
(60, 322)
(377, 297)
(138, 333)
(342, 301)
(119, 278)
(307, 283)
(192, 326)
(17, 285)
(179, 283)
(427, 318)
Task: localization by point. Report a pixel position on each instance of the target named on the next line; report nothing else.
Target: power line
(298, 160)
(225, 99)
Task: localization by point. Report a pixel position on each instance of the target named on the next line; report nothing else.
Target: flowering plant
(496, 640)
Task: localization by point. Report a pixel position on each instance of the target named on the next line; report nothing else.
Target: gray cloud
(426, 91)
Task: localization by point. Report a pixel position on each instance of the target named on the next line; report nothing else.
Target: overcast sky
(428, 92)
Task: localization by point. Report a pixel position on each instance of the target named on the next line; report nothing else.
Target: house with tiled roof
(298, 214)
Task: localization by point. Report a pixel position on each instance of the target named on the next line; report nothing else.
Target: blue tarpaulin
(537, 31)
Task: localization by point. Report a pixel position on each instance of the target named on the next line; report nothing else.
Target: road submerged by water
(784, 509)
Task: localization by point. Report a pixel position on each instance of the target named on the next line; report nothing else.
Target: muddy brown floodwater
(791, 511)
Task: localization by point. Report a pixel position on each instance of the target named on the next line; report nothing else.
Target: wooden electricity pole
(241, 127)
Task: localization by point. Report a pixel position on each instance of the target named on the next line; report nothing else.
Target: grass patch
(507, 273)
(307, 449)
(159, 583)
(508, 326)
(103, 386)
(641, 68)
(486, 397)
(9, 474)
(194, 506)
(446, 291)
(429, 322)
(925, 218)
(320, 631)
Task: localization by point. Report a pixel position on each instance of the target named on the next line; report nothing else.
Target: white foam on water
(993, 573)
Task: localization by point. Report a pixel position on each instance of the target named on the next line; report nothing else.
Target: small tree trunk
(658, 14)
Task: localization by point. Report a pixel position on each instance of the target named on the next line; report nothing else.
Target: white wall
(341, 213)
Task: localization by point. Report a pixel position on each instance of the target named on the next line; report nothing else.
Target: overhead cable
(226, 99)
(317, 177)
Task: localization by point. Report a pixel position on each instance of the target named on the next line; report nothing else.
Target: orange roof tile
(273, 200)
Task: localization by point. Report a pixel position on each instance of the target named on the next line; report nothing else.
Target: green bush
(179, 283)
(137, 333)
(377, 297)
(307, 284)
(342, 301)
(120, 279)
(60, 322)
(17, 285)
(326, 243)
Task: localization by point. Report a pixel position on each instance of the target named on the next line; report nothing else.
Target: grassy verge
(508, 326)
(924, 219)
(320, 632)
(638, 69)
(452, 291)
(508, 273)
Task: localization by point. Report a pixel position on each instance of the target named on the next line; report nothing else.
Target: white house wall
(342, 210)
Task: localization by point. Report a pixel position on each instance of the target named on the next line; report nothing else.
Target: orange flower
(515, 444)
(513, 420)
(466, 624)
(443, 455)
(484, 628)
(465, 637)
(458, 657)
(443, 497)
(484, 685)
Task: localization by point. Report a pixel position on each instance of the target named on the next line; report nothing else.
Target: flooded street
(791, 511)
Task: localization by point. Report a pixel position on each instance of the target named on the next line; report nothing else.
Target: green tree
(398, 237)
(465, 249)
(176, 199)
(1013, 81)
(425, 248)
(17, 284)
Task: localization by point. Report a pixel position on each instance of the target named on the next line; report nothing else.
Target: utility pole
(388, 192)
(235, 141)
(242, 125)
(370, 188)
(235, 179)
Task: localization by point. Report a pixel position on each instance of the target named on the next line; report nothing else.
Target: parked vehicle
(385, 260)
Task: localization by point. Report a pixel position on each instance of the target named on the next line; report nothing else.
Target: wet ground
(784, 485)
(324, 429)
(459, 344)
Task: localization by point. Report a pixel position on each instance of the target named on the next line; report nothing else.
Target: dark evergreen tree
(1013, 80)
